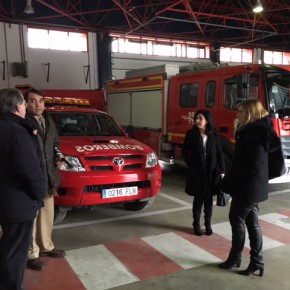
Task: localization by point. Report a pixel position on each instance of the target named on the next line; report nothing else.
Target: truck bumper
(85, 188)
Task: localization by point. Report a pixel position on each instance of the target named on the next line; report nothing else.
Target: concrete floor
(110, 248)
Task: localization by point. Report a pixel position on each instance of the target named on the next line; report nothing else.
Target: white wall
(67, 69)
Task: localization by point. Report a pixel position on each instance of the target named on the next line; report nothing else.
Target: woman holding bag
(202, 152)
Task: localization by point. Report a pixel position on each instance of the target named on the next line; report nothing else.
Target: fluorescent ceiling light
(258, 7)
(28, 8)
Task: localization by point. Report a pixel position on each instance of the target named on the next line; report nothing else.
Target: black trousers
(14, 247)
(241, 215)
(198, 202)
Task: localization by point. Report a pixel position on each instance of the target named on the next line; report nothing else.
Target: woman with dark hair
(202, 152)
(247, 183)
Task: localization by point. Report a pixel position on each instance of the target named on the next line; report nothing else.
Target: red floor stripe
(215, 244)
(58, 275)
(142, 259)
(275, 232)
(285, 212)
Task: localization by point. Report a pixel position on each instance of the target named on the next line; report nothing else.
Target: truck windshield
(85, 124)
(278, 90)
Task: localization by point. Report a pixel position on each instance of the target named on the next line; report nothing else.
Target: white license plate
(119, 192)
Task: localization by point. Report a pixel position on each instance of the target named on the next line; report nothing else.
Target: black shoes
(230, 263)
(252, 268)
(35, 264)
(53, 254)
(208, 230)
(197, 230)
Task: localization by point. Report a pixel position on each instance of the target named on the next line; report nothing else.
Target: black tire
(58, 215)
(138, 205)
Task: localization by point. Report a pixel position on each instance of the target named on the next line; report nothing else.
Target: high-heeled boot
(207, 215)
(196, 228)
(252, 268)
(230, 263)
(208, 229)
(196, 210)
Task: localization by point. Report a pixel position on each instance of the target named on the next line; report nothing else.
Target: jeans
(244, 214)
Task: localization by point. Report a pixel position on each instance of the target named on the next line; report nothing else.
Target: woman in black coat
(202, 152)
(247, 183)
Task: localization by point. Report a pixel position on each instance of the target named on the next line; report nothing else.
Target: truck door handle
(177, 123)
(223, 129)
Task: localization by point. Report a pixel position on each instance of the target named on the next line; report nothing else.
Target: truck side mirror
(130, 131)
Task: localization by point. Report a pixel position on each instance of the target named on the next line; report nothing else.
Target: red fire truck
(159, 103)
(102, 164)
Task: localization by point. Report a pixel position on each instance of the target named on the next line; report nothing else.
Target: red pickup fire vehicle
(159, 103)
(102, 164)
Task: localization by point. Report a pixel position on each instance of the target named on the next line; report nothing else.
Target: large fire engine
(159, 103)
(102, 164)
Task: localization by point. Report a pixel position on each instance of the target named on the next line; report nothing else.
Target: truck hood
(87, 145)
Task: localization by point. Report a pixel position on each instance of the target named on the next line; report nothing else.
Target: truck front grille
(106, 163)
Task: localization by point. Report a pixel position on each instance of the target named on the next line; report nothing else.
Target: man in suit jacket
(21, 187)
(42, 244)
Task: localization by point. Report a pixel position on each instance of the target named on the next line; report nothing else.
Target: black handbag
(222, 199)
(276, 163)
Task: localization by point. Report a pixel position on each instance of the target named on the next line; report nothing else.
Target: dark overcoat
(49, 144)
(247, 178)
(21, 177)
(203, 165)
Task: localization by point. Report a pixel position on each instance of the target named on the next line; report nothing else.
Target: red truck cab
(102, 164)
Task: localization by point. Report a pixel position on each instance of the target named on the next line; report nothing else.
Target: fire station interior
(107, 246)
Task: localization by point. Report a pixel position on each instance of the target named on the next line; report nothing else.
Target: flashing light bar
(66, 101)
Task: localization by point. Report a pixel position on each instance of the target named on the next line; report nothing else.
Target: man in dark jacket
(42, 244)
(21, 187)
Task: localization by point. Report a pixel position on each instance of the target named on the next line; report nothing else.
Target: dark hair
(9, 100)
(33, 91)
(207, 115)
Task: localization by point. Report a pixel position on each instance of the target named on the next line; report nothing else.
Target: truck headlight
(70, 163)
(151, 160)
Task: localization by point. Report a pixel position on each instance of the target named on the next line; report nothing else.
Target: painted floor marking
(185, 206)
(98, 268)
(221, 245)
(277, 219)
(120, 263)
(139, 259)
(180, 250)
(142, 259)
(224, 230)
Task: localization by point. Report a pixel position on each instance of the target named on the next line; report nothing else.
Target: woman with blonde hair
(247, 183)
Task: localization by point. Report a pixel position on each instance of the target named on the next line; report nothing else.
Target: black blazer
(21, 176)
(202, 172)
